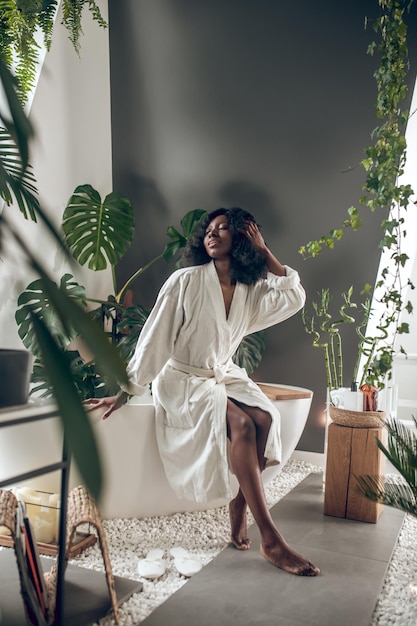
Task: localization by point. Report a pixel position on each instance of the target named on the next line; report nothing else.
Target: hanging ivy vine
(22, 20)
(384, 163)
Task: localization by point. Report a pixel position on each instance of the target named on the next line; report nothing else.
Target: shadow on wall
(152, 217)
(255, 200)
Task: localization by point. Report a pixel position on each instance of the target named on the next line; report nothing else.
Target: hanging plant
(20, 23)
(384, 164)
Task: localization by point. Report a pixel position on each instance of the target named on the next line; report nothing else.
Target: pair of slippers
(154, 565)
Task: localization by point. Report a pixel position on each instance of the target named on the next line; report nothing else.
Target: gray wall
(262, 104)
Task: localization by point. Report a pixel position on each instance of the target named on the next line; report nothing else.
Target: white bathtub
(135, 484)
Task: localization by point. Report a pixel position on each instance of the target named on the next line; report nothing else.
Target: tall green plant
(98, 233)
(383, 192)
(326, 333)
(71, 411)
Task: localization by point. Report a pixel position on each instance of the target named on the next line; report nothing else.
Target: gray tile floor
(242, 589)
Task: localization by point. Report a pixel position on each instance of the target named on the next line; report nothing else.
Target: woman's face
(218, 238)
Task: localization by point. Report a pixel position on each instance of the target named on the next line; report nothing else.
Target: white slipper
(186, 564)
(153, 565)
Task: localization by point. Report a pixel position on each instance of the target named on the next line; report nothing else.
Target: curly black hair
(247, 264)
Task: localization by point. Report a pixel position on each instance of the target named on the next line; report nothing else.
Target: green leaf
(17, 124)
(16, 179)
(403, 328)
(86, 378)
(190, 221)
(76, 424)
(130, 326)
(35, 299)
(105, 354)
(249, 353)
(178, 241)
(98, 232)
(172, 248)
(401, 452)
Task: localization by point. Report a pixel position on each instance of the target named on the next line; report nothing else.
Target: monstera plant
(98, 233)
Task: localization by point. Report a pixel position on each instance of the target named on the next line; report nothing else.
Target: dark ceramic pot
(15, 371)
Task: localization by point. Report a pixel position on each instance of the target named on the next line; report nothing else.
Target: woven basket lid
(357, 419)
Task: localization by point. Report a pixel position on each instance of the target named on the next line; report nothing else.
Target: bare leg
(238, 522)
(238, 506)
(245, 463)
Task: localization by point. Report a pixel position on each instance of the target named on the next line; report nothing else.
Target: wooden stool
(351, 452)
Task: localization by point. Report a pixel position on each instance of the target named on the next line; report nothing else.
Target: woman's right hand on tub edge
(110, 403)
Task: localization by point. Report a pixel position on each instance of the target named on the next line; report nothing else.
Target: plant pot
(15, 371)
(356, 419)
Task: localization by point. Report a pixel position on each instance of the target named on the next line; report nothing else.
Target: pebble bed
(205, 533)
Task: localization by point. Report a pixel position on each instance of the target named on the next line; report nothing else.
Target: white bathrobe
(186, 349)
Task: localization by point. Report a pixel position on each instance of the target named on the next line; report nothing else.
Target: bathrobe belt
(218, 372)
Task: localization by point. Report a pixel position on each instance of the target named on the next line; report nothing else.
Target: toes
(291, 563)
(241, 544)
(310, 570)
(305, 569)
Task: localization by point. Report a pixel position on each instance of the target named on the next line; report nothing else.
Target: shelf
(82, 542)
(86, 596)
(82, 596)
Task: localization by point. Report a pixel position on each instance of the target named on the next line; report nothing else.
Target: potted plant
(327, 335)
(98, 233)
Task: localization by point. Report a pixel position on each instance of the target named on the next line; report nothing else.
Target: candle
(44, 528)
(42, 510)
(32, 500)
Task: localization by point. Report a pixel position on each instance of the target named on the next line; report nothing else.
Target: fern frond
(71, 18)
(46, 20)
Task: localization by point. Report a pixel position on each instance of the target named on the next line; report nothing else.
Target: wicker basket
(357, 419)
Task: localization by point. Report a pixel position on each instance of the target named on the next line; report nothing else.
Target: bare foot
(283, 557)
(238, 528)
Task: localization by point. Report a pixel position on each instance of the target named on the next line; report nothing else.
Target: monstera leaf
(36, 300)
(250, 351)
(98, 232)
(178, 241)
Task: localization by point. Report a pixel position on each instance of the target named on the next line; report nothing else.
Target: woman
(209, 413)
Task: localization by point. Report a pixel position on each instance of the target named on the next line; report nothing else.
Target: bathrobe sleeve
(157, 339)
(275, 299)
